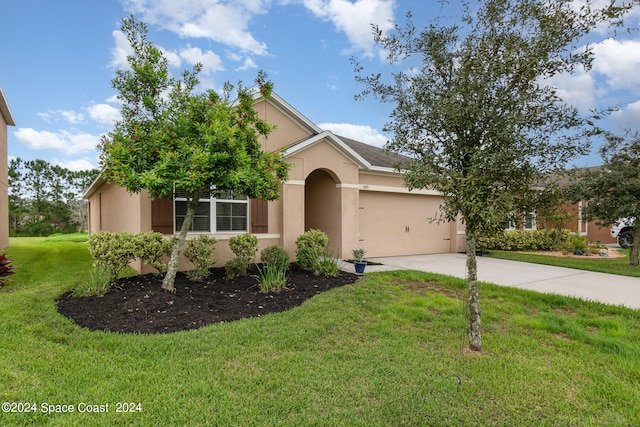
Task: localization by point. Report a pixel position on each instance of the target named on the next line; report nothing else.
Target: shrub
(236, 267)
(311, 245)
(112, 251)
(97, 285)
(579, 243)
(308, 258)
(244, 246)
(200, 252)
(5, 269)
(274, 255)
(150, 247)
(523, 240)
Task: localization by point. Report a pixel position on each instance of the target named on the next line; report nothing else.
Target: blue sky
(58, 59)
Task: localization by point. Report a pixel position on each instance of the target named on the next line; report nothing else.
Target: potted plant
(358, 260)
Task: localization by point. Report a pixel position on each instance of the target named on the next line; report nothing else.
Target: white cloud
(619, 61)
(68, 116)
(64, 141)
(103, 113)
(577, 89)
(248, 64)
(627, 117)
(121, 50)
(224, 22)
(75, 165)
(361, 133)
(355, 18)
(209, 60)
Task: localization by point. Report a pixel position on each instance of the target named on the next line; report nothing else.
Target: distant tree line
(46, 199)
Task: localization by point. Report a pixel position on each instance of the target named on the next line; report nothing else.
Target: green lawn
(592, 263)
(385, 351)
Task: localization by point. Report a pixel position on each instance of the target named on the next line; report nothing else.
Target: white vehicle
(621, 230)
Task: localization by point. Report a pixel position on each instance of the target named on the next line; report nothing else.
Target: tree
(172, 137)
(474, 113)
(16, 193)
(613, 191)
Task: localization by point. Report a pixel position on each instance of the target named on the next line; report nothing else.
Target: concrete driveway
(606, 288)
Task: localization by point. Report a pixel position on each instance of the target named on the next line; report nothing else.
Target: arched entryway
(323, 206)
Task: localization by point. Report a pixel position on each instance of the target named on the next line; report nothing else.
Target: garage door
(400, 224)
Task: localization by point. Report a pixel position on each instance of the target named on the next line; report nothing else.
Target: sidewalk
(606, 288)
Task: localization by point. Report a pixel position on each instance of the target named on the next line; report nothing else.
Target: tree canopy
(45, 198)
(472, 106)
(172, 136)
(613, 191)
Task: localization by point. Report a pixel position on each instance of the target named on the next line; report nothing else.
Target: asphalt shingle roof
(375, 155)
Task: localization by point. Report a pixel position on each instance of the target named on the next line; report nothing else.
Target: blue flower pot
(360, 265)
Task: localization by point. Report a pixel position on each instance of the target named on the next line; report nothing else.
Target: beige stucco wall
(4, 186)
(287, 130)
(111, 208)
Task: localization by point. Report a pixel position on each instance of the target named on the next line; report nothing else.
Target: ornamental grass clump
(272, 276)
(98, 283)
(200, 252)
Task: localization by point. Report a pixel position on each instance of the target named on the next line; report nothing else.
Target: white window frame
(512, 224)
(213, 202)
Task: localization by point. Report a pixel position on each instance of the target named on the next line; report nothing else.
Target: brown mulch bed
(139, 304)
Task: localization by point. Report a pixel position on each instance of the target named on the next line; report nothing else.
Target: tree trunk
(172, 267)
(475, 341)
(635, 247)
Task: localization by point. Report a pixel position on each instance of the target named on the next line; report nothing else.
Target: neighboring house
(6, 119)
(589, 229)
(345, 188)
(577, 224)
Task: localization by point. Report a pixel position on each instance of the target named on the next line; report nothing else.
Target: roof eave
(336, 142)
(5, 110)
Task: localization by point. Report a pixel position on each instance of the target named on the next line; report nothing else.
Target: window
(219, 212)
(528, 222)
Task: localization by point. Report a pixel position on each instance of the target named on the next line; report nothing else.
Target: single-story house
(346, 188)
(6, 119)
(577, 223)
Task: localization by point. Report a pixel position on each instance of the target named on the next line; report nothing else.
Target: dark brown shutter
(162, 216)
(259, 216)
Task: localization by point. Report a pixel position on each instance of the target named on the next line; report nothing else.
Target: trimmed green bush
(236, 267)
(244, 246)
(274, 255)
(311, 245)
(200, 252)
(524, 240)
(112, 252)
(151, 248)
